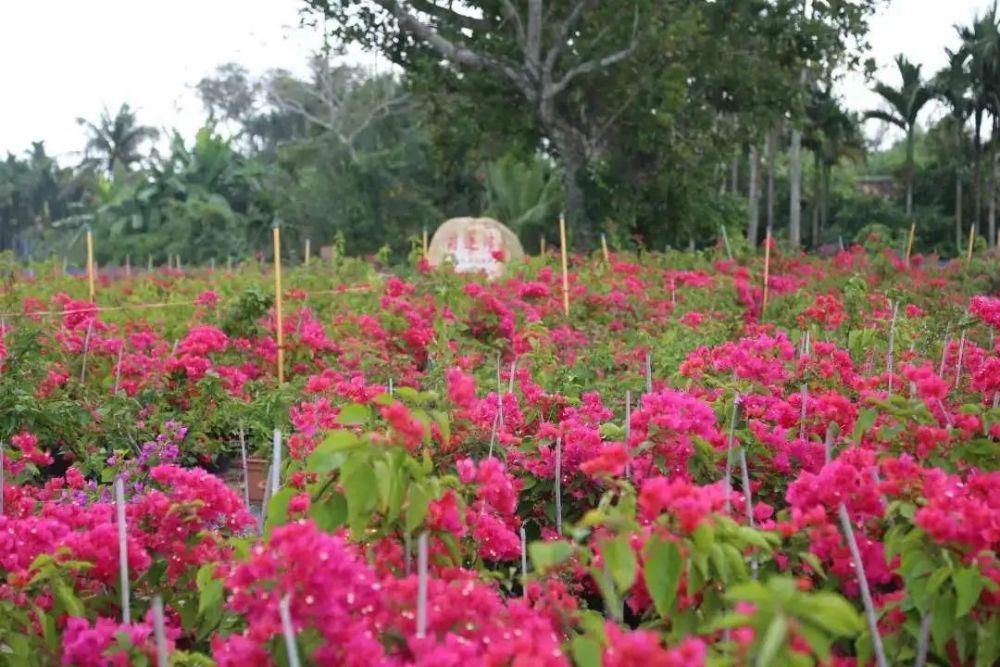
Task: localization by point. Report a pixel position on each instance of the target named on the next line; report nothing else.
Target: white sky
(62, 59)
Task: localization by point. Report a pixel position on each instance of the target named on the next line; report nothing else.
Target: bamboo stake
(767, 271)
(866, 595)
(748, 497)
(972, 241)
(1, 476)
(729, 451)
(558, 485)
(628, 434)
(649, 374)
(160, 632)
(288, 631)
(424, 242)
(725, 239)
(909, 243)
(958, 365)
(128, 266)
(524, 562)
(892, 341)
(118, 370)
(149, 263)
(86, 349)
(278, 324)
(308, 251)
(246, 468)
(122, 550)
(65, 266)
(408, 551)
(541, 246)
(422, 585)
(276, 463)
(804, 392)
(211, 265)
(90, 263)
(565, 264)
(604, 248)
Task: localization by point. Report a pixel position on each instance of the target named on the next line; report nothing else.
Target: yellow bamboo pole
(424, 239)
(278, 322)
(767, 271)
(541, 247)
(308, 251)
(972, 241)
(604, 248)
(909, 243)
(90, 264)
(565, 263)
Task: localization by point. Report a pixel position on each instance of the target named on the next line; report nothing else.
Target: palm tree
(952, 86)
(113, 142)
(981, 44)
(905, 104)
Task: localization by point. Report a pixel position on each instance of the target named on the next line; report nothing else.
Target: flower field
(680, 472)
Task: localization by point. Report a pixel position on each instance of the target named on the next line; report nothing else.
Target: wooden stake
(565, 264)
(424, 242)
(308, 251)
(90, 263)
(128, 266)
(149, 263)
(725, 239)
(558, 485)
(972, 241)
(278, 322)
(541, 247)
(246, 469)
(524, 562)
(604, 248)
(909, 243)
(767, 271)
(276, 463)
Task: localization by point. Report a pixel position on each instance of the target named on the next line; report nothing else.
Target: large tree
(904, 105)
(952, 85)
(114, 142)
(540, 52)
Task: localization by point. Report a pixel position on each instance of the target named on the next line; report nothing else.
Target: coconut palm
(905, 104)
(952, 85)
(114, 142)
(981, 45)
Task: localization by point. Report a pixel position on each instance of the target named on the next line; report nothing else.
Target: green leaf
(417, 504)
(66, 598)
(773, 641)
(330, 512)
(277, 508)
(620, 561)
(662, 572)
(968, 584)
(358, 479)
(943, 622)
(833, 613)
(586, 651)
(545, 555)
(813, 561)
(704, 537)
(864, 422)
(353, 414)
(331, 453)
(817, 639)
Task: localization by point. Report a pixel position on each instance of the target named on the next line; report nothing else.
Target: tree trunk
(795, 190)
(771, 141)
(991, 237)
(824, 213)
(754, 197)
(734, 175)
(909, 171)
(977, 178)
(574, 162)
(959, 227)
(816, 198)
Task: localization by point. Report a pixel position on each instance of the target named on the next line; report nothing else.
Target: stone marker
(475, 244)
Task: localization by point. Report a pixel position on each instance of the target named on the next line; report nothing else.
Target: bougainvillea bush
(681, 471)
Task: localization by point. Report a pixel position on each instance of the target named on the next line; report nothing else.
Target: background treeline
(654, 121)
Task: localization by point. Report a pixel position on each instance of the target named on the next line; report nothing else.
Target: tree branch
(565, 28)
(431, 8)
(594, 65)
(533, 46)
(452, 51)
(511, 13)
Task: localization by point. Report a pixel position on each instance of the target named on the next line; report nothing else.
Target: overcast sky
(62, 59)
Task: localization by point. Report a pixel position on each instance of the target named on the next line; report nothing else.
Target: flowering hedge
(808, 485)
